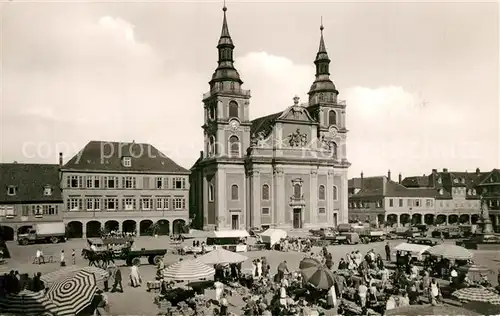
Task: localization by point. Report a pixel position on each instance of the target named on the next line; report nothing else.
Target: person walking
(387, 252)
(118, 281)
(63, 260)
(73, 256)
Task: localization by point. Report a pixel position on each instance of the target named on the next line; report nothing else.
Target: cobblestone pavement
(136, 301)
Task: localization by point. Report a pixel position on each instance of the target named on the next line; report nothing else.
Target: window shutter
(117, 183)
(133, 183)
(123, 183)
(105, 180)
(80, 182)
(68, 204)
(165, 183)
(80, 207)
(68, 181)
(183, 183)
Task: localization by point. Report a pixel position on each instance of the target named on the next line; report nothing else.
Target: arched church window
(234, 146)
(211, 145)
(332, 117)
(265, 192)
(335, 193)
(297, 191)
(232, 86)
(233, 109)
(234, 192)
(211, 192)
(322, 193)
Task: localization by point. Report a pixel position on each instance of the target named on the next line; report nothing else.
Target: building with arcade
(128, 187)
(286, 169)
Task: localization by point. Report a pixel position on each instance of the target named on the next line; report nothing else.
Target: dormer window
(455, 180)
(463, 180)
(441, 192)
(469, 192)
(47, 191)
(474, 192)
(439, 180)
(127, 162)
(11, 190)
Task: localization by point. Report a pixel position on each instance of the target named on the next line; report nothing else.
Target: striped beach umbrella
(477, 294)
(188, 270)
(73, 293)
(50, 278)
(417, 310)
(319, 276)
(26, 303)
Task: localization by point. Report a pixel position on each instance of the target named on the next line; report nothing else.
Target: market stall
(272, 236)
(416, 251)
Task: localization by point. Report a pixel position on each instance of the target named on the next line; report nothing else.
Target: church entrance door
(235, 222)
(297, 218)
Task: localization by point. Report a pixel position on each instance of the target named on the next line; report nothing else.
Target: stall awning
(413, 248)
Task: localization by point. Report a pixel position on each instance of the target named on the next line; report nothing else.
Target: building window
(127, 161)
(89, 204)
(391, 202)
(89, 182)
(428, 203)
(180, 183)
(473, 191)
(129, 183)
(455, 180)
(145, 203)
(265, 192)
(297, 190)
(379, 204)
(179, 203)
(159, 182)
(145, 183)
(211, 146)
(334, 149)
(322, 193)
(234, 146)
(93, 182)
(400, 202)
(110, 204)
(439, 180)
(74, 181)
(322, 210)
(234, 192)
(37, 210)
(129, 204)
(11, 190)
(233, 110)
(410, 203)
(111, 182)
(417, 203)
(211, 193)
(161, 203)
(74, 204)
(332, 117)
(441, 191)
(266, 211)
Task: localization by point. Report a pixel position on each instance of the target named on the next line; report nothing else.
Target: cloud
(93, 79)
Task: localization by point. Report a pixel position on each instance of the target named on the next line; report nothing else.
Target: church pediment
(296, 113)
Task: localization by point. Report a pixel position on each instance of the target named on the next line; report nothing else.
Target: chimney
(445, 169)
(400, 178)
(478, 171)
(201, 153)
(389, 175)
(434, 170)
(60, 160)
(361, 179)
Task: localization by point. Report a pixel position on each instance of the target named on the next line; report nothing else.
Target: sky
(420, 79)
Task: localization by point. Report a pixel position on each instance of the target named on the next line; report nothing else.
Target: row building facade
(29, 194)
(286, 170)
(128, 187)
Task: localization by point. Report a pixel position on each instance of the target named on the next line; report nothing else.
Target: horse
(91, 256)
(99, 259)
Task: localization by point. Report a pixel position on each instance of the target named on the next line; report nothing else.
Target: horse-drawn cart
(106, 250)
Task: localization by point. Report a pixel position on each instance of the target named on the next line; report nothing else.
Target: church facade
(286, 170)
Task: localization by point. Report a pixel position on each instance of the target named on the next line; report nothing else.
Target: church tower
(323, 103)
(227, 136)
(226, 123)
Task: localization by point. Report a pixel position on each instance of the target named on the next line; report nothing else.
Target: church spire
(323, 88)
(225, 71)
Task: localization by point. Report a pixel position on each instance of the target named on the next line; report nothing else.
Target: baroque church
(285, 170)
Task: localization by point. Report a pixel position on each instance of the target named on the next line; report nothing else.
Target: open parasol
(73, 293)
(308, 263)
(26, 303)
(50, 278)
(221, 256)
(477, 294)
(473, 268)
(188, 270)
(319, 276)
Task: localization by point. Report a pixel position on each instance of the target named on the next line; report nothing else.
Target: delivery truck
(43, 232)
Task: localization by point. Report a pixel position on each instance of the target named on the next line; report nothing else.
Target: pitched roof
(354, 183)
(382, 187)
(487, 176)
(107, 156)
(264, 124)
(416, 182)
(30, 181)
